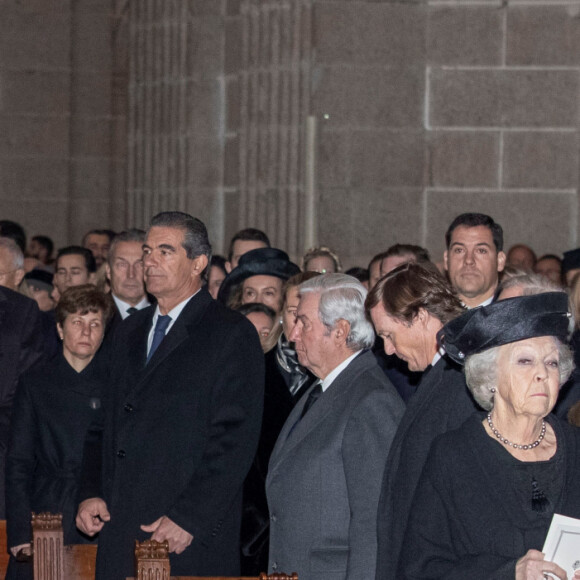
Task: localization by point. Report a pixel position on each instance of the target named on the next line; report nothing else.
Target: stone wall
(57, 117)
(112, 110)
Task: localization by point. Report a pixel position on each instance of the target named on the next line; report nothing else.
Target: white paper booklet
(562, 545)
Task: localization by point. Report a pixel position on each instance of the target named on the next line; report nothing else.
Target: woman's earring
(492, 389)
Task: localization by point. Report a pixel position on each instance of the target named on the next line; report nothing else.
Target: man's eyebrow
(167, 247)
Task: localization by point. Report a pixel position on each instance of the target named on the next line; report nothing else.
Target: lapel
(295, 430)
(3, 305)
(181, 331)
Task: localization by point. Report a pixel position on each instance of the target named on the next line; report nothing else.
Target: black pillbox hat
(506, 321)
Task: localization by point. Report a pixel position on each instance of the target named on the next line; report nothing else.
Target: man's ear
(108, 271)
(19, 276)
(341, 331)
(200, 264)
(445, 262)
(93, 278)
(501, 259)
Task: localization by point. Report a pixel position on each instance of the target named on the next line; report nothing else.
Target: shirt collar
(331, 376)
(123, 306)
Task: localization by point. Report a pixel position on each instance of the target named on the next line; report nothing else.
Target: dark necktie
(313, 396)
(132, 310)
(158, 334)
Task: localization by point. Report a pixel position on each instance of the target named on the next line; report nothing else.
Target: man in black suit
(21, 340)
(182, 417)
(125, 273)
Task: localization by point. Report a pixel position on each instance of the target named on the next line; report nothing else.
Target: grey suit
(325, 473)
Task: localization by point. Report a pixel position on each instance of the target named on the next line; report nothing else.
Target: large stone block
(205, 163)
(91, 94)
(367, 33)
(463, 158)
(34, 178)
(504, 98)
(91, 137)
(233, 104)
(385, 217)
(92, 41)
(464, 35)
(545, 221)
(88, 214)
(203, 104)
(205, 45)
(336, 220)
(90, 179)
(233, 46)
(543, 35)
(35, 40)
(38, 217)
(381, 159)
(540, 160)
(333, 158)
(232, 162)
(371, 97)
(31, 136)
(35, 91)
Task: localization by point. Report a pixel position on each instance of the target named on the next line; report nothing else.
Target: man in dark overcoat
(182, 418)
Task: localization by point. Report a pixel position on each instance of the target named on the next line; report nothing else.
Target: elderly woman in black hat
(489, 489)
(259, 277)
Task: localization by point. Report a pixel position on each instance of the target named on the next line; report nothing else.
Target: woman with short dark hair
(54, 407)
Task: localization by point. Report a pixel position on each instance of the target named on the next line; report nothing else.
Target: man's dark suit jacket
(21, 347)
(180, 435)
(441, 403)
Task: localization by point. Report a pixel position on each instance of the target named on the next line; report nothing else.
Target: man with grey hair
(11, 264)
(182, 418)
(125, 272)
(325, 472)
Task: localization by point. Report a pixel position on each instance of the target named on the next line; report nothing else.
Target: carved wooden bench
(55, 561)
(4, 556)
(152, 563)
(52, 560)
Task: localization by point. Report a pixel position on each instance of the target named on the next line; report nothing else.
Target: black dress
(472, 515)
(53, 410)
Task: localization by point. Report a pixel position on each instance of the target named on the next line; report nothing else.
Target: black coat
(441, 403)
(21, 347)
(180, 435)
(52, 413)
(467, 519)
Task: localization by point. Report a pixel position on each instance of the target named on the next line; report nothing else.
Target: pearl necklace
(516, 445)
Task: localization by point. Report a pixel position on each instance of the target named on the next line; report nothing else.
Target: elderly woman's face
(290, 308)
(82, 335)
(528, 376)
(414, 343)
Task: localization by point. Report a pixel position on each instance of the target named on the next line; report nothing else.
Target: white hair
(481, 372)
(16, 253)
(342, 297)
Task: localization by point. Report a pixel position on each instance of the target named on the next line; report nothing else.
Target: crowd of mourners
(408, 419)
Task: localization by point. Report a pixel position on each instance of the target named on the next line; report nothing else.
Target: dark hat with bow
(259, 262)
(506, 321)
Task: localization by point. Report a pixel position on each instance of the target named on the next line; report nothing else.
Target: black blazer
(21, 347)
(52, 413)
(180, 435)
(441, 403)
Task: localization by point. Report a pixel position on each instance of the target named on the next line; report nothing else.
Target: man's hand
(165, 529)
(92, 515)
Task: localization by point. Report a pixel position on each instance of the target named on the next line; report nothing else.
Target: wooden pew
(52, 560)
(152, 563)
(4, 556)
